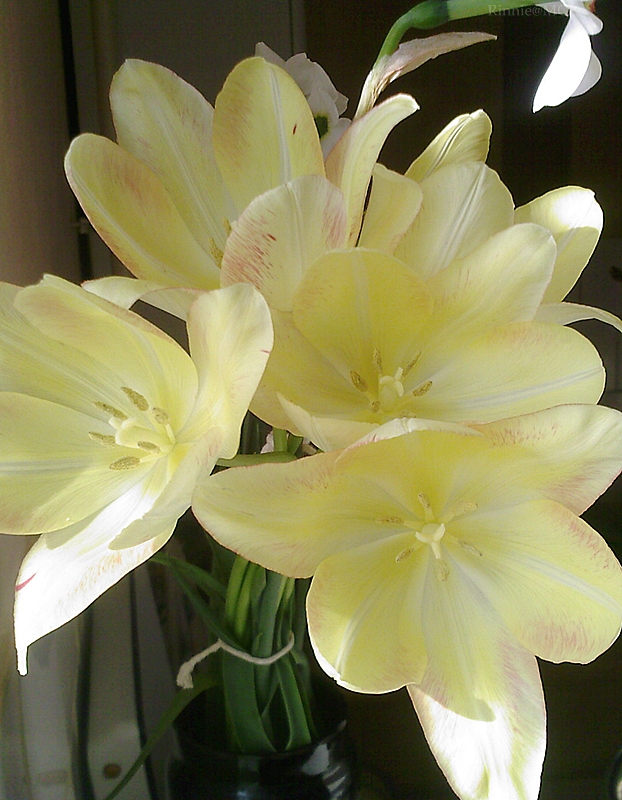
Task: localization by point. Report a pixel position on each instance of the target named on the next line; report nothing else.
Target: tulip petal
(274, 513)
(350, 163)
(514, 369)
(352, 596)
(466, 138)
(496, 752)
(167, 124)
(394, 202)
(501, 281)
(36, 365)
(52, 472)
(578, 448)
(125, 292)
(66, 571)
(134, 214)
(230, 335)
(357, 302)
(326, 433)
(576, 220)
(561, 593)
(138, 354)
(263, 131)
(174, 498)
(463, 206)
(592, 76)
(281, 233)
(565, 313)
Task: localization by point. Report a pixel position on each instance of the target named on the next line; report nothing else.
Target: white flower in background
(574, 68)
(327, 104)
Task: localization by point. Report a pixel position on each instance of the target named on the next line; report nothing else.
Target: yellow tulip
(106, 424)
(445, 558)
(367, 340)
(167, 195)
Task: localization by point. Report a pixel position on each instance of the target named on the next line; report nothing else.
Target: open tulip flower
(368, 340)
(165, 197)
(444, 558)
(106, 424)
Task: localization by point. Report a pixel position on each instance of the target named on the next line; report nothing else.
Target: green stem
(249, 459)
(432, 13)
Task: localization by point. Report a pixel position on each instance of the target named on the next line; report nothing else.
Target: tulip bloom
(445, 558)
(165, 198)
(106, 424)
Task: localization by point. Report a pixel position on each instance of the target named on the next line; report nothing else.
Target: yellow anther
(423, 388)
(226, 225)
(149, 446)
(215, 252)
(375, 406)
(424, 500)
(102, 438)
(411, 364)
(359, 382)
(469, 548)
(390, 520)
(128, 462)
(407, 551)
(377, 361)
(136, 398)
(441, 567)
(110, 410)
(160, 416)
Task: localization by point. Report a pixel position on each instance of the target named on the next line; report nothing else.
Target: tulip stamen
(422, 389)
(127, 462)
(136, 398)
(110, 410)
(358, 381)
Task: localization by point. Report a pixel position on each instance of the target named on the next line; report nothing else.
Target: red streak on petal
(24, 583)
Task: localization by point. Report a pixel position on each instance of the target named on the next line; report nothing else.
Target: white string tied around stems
(184, 676)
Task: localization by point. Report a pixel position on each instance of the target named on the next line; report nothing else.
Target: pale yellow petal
(394, 202)
(463, 206)
(501, 281)
(359, 305)
(363, 614)
(326, 433)
(230, 335)
(565, 313)
(52, 471)
(263, 131)
(136, 353)
(552, 578)
(498, 752)
(167, 124)
(272, 514)
(579, 449)
(66, 571)
(136, 217)
(281, 233)
(176, 495)
(350, 163)
(513, 369)
(576, 220)
(466, 138)
(125, 292)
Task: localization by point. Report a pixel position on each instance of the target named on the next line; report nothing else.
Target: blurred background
(56, 61)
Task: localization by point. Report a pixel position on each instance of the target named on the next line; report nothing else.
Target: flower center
(149, 431)
(391, 398)
(432, 532)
